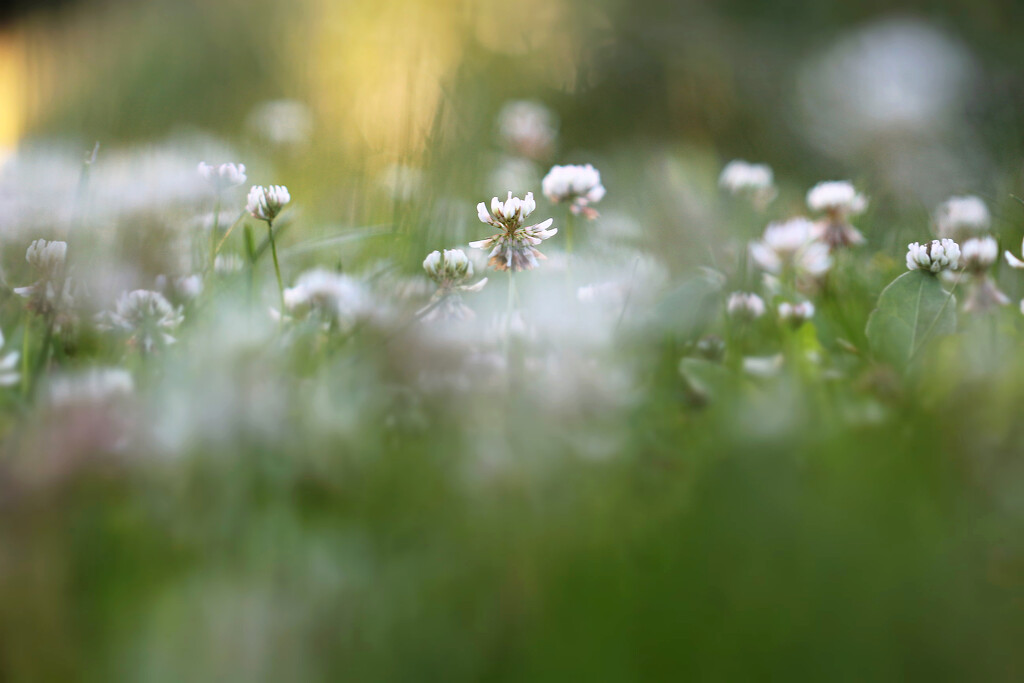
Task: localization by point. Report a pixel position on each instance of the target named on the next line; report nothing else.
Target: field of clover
(255, 428)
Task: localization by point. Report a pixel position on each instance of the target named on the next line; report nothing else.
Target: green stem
(213, 235)
(26, 379)
(570, 224)
(44, 350)
(277, 267)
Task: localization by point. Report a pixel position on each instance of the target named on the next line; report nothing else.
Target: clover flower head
(580, 186)
(514, 248)
(836, 196)
(959, 217)
(745, 306)
(222, 177)
(756, 181)
(147, 316)
(791, 244)
(838, 200)
(336, 298)
(47, 256)
(978, 254)
(527, 128)
(265, 203)
(451, 265)
(9, 374)
(933, 257)
(52, 292)
(796, 314)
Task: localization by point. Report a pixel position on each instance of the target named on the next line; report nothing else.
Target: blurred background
(641, 531)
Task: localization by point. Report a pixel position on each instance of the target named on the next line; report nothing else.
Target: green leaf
(911, 311)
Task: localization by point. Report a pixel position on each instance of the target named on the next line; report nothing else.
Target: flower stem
(213, 235)
(277, 267)
(25, 339)
(570, 223)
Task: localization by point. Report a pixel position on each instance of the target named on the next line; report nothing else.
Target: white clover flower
(934, 256)
(450, 269)
(791, 245)
(527, 128)
(9, 374)
(51, 294)
(222, 177)
(514, 248)
(796, 314)
(95, 385)
(836, 196)
(755, 181)
(265, 203)
(745, 306)
(838, 200)
(978, 254)
(960, 217)
(47, 256)
(147, 316)
(579, 185)
(338, 299)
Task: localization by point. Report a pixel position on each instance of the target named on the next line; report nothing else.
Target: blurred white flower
(894, 77)
(147, 316)
(745, 306)
(791, 245)
(265, 203)
(754, 181)
(48, 257)
(934, 256)
(838, 200)
(978, 254)
(450, 270)
(9, 374)
(282, 122)
(514, 248)
(528, 129)
(51, 294)
(224, 176)
(796, 314)
(579, 185)
(836, 196)
(95, 385)
(960, 217)
(336, 298)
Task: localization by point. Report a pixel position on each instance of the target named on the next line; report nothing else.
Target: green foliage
(911, 311)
